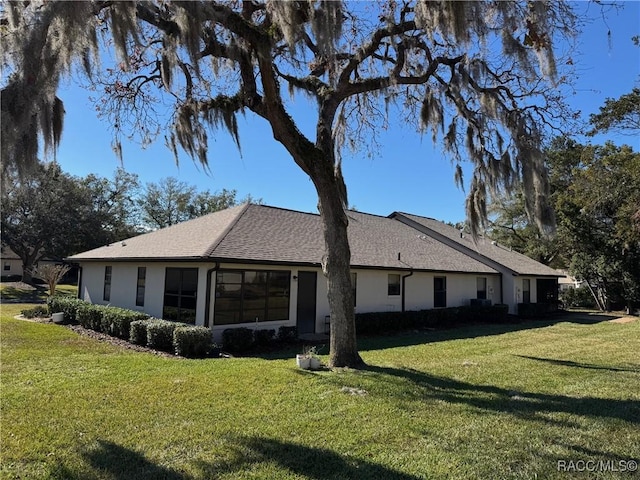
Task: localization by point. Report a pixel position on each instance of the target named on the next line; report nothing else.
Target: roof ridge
(225, 232)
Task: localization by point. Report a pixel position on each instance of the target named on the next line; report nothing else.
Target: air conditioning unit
(480, 302)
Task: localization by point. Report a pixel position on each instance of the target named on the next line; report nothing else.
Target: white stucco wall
(124, 278)
(371, 293)
(14, 266)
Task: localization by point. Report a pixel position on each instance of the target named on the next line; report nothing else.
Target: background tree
(620, 115)
(596, 194)
(479, 75)
(49, 214)
(171, 201)
(51, 274)
(116, 201)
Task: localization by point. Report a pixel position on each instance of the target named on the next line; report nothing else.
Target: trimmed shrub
(287, 334)
(263, 338)
(237, 339)
(138, 332)
(192, 342)
(160, 334)
(385, 322)
(66, 305)
(36, 312)
(90, 316)
(117, 321)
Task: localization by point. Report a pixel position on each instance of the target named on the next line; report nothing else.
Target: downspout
(207, 303)
(404, 277)
(501, 289)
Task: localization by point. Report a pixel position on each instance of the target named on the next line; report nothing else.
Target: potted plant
(308, 359)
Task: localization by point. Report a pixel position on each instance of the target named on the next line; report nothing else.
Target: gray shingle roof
(260, 233)
(518, 263)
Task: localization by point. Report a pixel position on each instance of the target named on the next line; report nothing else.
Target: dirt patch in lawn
(627, 319)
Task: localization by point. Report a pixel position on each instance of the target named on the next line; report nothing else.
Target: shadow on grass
(110, 460)
(308, 462)
(420, 337)
(528, 405)
(588, 366)
(19, 295)
(119, 463)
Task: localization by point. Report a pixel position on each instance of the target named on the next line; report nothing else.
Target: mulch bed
(103, 337)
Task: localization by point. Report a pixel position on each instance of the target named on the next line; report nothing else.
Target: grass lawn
(19, 292)
(486, 402)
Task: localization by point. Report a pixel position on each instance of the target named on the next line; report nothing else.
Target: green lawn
(9, 292)
(485, 402)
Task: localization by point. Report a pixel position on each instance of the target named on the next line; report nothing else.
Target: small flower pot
(314, 363)
(303, 362)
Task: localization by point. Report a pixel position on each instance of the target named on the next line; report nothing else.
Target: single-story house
(260, 266)
(12, 263)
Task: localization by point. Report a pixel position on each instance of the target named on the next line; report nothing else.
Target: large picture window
(244, 296)
(439, 292)
(180, 289)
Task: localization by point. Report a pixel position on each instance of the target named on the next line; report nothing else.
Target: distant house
(260, 266)
(12, 263)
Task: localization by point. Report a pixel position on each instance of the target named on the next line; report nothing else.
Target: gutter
(207, 304)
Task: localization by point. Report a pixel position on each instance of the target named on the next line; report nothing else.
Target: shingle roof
(518, 263)
(260, 233)
(186, 240)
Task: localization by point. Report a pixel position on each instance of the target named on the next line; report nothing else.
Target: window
(394, 284)
(106, 293)
(7, 266)
(439, 292)
(482, 288)
(142, 276)
(354, 284)
(180, 289)
(244, 296)
(526, 290)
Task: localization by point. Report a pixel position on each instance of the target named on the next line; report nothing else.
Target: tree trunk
(336, 267)
(27, 275)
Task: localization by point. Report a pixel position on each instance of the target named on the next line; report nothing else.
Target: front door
(306, 309)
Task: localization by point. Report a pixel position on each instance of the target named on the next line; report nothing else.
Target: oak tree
(480, 76)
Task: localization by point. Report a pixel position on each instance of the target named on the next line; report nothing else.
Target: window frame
(106, 289)
(526, 292)
(440, 295)
(180, 295)
(481, 294)
(265, 303)
(394, 288)
(141, 286)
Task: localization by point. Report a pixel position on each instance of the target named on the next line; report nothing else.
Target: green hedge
(263, 338)
(39, 311)
(90, 316)
(160, 334)
(138, 332)
(192, 342)
(237, 339)
(117, 321)
(66, 305)
(381, 322)
(287, 334)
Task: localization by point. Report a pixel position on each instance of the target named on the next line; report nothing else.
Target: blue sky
(408, 173)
